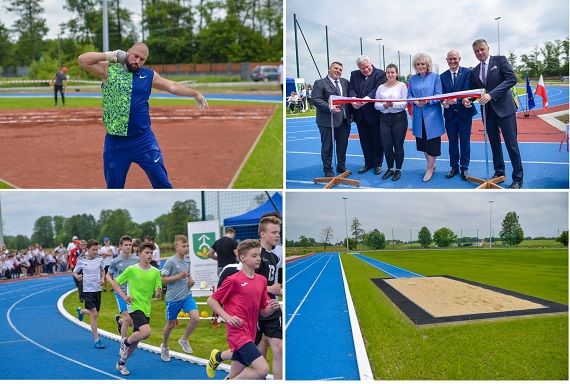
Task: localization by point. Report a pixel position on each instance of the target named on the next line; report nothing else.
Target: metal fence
(315, 46)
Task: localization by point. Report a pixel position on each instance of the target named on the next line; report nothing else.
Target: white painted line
(45, 348)
(364, 369)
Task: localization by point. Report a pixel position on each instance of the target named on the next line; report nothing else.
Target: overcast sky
(540, 213)
(434, 27)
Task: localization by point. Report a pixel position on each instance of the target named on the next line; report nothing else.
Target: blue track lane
(391, 270)
(319, 343)
(43, 345)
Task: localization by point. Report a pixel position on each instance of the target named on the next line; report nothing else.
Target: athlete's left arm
(178, 89)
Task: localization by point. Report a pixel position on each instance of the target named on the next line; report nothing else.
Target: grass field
(203, 340)
(509, 349)
(263, 169)
(417, 246)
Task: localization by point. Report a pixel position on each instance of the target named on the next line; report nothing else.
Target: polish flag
(541, 91)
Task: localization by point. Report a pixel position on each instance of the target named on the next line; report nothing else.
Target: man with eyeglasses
(458, 119)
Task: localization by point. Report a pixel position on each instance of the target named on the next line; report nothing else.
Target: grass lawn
(509, 349)
(203, 340)
(263, 169)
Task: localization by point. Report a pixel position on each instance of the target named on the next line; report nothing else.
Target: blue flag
(529, 95)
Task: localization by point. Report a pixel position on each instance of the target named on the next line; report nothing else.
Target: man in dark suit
(458, 119)
(332, 84)
(494, 73)
(363, 84)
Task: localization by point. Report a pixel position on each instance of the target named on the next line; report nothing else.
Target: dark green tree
(181, 214)
(444, 237)
(117, 223)
(6, 47)
(30, 29)
(43, 232)
(83, 226)
(563, 238)
(356, 230)
(375, 240)
(304, 242)
(147, 228)
(512, 232)
(424, 237)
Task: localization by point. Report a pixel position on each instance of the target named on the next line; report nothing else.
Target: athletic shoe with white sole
(164, 353)
(123, 369)
(212, 364)
(79, 314)
(123, 350)
(185, 345)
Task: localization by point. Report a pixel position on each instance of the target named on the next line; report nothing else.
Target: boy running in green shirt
(143, 281)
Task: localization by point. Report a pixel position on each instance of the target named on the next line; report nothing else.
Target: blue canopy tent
(246, 224)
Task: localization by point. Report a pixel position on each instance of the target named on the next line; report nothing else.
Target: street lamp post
(346, 222)
(383, 63)
(498, 36)
(490, 227)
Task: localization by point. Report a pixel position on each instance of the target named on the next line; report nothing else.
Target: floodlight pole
(346, 222)
(498, 36)
(490, 230)
(105, 27)
(380, 39)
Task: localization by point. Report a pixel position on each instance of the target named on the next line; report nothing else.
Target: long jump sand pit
(444, 299)
(63, 147)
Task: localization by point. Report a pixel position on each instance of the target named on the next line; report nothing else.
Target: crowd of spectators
(37, 261)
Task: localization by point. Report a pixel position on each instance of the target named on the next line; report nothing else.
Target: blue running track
(39, 343)
(391, 270)
(545, 166)
(319, 336)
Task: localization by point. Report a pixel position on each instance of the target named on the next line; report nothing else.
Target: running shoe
(123, 369)
(123, 350)
(185, 345)
(79, 314)
(164, 353)
(212, 364)
(117, 318)
(99, 344)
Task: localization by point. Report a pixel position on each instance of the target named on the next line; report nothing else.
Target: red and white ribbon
(338, 100)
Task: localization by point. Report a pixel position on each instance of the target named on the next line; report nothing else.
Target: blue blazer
(462, 83)
(500, 79)
(361, 87)
(430, 85)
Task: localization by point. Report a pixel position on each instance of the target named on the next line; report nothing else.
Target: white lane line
(8, 314)
(306, 295)
(288, 280)
(364, 369)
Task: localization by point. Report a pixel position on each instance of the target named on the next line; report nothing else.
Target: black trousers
(371, 143)
(393, 127)
(341, 134)
(508, 127)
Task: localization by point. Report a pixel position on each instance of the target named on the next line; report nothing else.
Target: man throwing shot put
(125, 91)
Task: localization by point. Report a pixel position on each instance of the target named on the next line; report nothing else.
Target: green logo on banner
(202, 243)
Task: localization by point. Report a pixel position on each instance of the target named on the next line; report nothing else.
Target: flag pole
(486, 183)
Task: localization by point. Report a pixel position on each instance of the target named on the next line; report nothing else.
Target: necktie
(454, 74)
(340, 94)
(483, 73)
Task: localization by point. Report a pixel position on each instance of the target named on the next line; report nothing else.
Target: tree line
(511, 234)
(49, 231)
(555, 62)
(214, 31)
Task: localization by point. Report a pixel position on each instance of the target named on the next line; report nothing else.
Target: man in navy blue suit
(494, 73)
(363, 84)
(458, 119)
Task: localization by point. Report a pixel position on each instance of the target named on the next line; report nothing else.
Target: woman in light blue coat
(427, 118)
